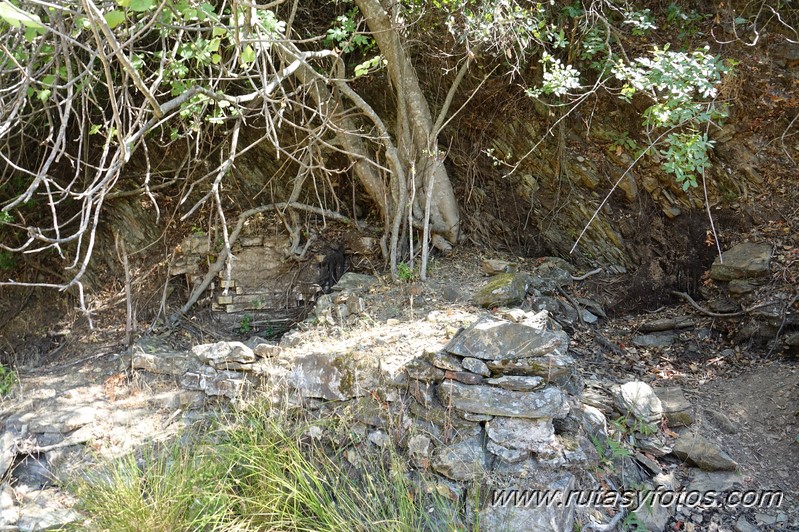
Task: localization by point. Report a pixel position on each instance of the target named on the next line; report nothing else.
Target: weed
(245, 325)
(7, 380)
(404, 272)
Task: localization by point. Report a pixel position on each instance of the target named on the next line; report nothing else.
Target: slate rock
(547, 403)
(704, 454)
(507, 454)
(654, 340)
(533, 435)
(554, 368)
(334, 376)
(465, 377)
(494, 266)
(216, 383)
(498, 340)
(718, 481)
(446, 361)
(500, 511)
(462, 461)
(421, 370)
(743, 261)
(517, 383)
(638, 399)
(476, 366)
(723, 422)
(162, 362)
(503, 290)
(676, 408)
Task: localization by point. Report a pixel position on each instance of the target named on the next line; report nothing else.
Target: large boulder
(743, 261)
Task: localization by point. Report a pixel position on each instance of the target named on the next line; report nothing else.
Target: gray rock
(334, 376)
(654, 340)
(588, 316)
(507, 510)
(497, 340)
(554, 368)
(162, 363)
(466, 377)
(517, 433)
(508, 455)
(742, 525)
(547, 403)
(494, 266)
(213, 382)
(515, 315)
(266, 350)
(477, 418)
(461, 461)
(517, 383)
(422, 370)
(503, 290)
(676, 408)
(738, 287)
(9, 512)
(355, 282)
(222, 355)
(8, 451)
(593, 420)
(704, 454)
(446, 361)
(743, 261)
(655, 517)
(476, 366)
(638, 399)
(419, 450)
(718, 481)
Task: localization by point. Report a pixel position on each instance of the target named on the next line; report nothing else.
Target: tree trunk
(423, 148)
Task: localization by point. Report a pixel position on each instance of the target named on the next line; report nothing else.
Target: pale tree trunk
(416, 139)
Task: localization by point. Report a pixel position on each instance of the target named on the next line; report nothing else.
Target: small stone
(718, 481)
(422, 370)
(588, 316)
(446, 361)
(267, 350)
(638, 399)
(510, 456)
(461, 461)
(654, 340)
(355, 282)
(221, 353)
(742, 525)
(503, 290)
(392, 321)
(517, 383)
(703, 454)
(676, 408)
(464, 376)
(379, 438)
(743, 261)
(478, 418)
(765, 519)
(516, 433)
(476, 366)
(494, 267)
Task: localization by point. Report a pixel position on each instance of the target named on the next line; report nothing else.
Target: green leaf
(141, 5)
(43, 94)
(114, 18)
(247, 55)
(16, 17)
(95, 129)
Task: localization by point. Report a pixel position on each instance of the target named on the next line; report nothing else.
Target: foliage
(245, 325)
(262, 472)
(7, 380)
(404, 272)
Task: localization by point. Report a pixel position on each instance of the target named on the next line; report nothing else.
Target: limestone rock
(676, 408)
(507, 454)
(461, 461)
(638, 399)
(504, 290)
(547, 403)
(213, 382)
(703, 454)
(446, 361)
(517, 433)
(497, 340)
(743, 261)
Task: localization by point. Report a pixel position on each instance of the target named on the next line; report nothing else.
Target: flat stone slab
(547, 403)
(496, 340)
(742, 261)
(704, 454)
(518, 433)
(461, 461)
(334, 376)
(554, 368)
(677, 409)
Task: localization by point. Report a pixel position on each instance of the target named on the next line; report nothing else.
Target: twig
(712, 314)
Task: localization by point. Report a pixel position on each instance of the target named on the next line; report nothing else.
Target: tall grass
(262, 472)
